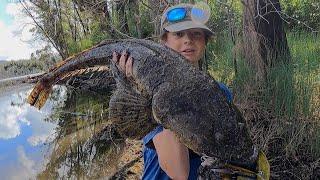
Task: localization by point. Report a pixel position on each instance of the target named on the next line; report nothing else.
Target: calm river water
(68, 138)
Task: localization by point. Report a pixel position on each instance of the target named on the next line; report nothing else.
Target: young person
(164, 156)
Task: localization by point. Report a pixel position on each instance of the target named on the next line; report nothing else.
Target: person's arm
(172, 155)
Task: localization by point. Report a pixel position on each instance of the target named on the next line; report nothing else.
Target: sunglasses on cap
(199, 14)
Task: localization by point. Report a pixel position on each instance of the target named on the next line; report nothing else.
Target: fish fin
(71, 58)
(83, 71)
(39, 95)
(131, 113)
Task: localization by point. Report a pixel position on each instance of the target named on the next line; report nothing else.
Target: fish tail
(39, 94)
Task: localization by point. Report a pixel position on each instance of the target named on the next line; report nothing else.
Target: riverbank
(17, 84)
(7, 90)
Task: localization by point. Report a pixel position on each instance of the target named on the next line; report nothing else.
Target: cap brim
(180, 26)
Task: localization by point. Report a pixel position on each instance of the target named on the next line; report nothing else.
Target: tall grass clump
(220, 58)
(282, 112)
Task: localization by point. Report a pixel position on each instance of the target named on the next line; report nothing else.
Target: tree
(264, 39)
(48, 19)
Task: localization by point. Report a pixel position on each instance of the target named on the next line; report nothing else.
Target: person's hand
(124, 62)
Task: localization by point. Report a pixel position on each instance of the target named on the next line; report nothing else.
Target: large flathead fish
(165, 90)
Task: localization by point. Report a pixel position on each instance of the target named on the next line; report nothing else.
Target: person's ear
(163, 38)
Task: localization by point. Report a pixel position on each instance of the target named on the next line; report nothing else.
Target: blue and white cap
(186, 16)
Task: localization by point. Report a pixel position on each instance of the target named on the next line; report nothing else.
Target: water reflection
(23, 132)
(86, 146)
(70, 137)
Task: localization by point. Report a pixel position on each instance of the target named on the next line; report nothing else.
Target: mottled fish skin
(169, 91)
(191, 103)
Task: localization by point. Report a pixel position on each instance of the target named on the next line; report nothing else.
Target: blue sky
(14, 32)
(4, 16)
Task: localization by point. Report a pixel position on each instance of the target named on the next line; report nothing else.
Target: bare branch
(40, 27)
(282, 15)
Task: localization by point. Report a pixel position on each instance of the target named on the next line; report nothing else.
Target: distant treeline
(39, 61)
(23, 67)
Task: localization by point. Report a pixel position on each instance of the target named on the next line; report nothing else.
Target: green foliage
(305, 50)
(74, 27)
(146, 26)
(302, 13)
(221, 59)
(97, 35)
(75, 47)
(19, 68)
(224, 14)
(299, 15)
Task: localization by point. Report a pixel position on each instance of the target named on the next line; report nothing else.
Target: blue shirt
(152, 169)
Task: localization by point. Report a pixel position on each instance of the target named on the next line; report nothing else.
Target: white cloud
(10, 119)
(24, 160)
(26, 168)
(36, 140)
(12, 9)
(45, 131)
(14, 37)
(39, 139)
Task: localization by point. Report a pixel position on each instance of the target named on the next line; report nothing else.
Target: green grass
(221, 60)
(283, 112)
(292, 87)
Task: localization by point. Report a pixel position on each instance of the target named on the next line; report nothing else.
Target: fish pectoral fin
(39, 95)
(130, 113)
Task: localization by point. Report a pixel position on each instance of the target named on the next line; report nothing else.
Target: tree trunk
(60, 36)
(134, 13)
(123, 23)
(83, 25)
(264, 39)
(108, 20)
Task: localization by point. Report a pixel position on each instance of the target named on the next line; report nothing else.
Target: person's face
(190, 43)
